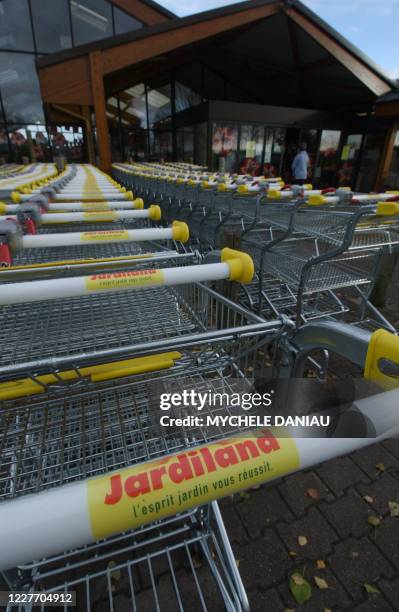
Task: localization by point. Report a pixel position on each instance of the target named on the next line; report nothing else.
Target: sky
(371, 25)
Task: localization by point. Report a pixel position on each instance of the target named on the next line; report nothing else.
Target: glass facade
(29, 29)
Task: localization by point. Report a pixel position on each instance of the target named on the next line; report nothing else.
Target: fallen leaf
(327, 610)
(244, 495)
(373, 520)
(289, 610)
(370, 588)
(380, 467)
(237, 562)
(313, 493)
(368, 499)
(354, 554)
(302, 540)
(300, 588)
(393, 508)
(321, 583)
(292, 553)
(320, 564)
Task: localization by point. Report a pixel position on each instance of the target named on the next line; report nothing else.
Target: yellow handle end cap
(241, 265)
(180, 231)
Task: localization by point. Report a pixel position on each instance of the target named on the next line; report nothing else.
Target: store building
(237, 88)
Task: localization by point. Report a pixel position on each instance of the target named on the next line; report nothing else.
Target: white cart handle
(178, 231)
(234, 265)
(96, 508)
(136, 204)
(153, 213)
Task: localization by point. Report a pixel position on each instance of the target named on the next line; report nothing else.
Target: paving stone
(333, 597)
(235, 528)
(263, 562)
(367, 458)
(340, 474)
(383, 490)
(261, 509)
(390, 589)
(294, 491)
(392, 445)
(387, 539)
(267, 601)
(348, 515)
(356, 562)
(321, 538)
(375, 603)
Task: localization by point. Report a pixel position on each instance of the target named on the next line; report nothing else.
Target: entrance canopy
(272, 52)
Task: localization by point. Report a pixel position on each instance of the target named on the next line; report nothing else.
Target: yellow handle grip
(383, 354)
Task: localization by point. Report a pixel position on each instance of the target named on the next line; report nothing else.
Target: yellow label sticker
(144, 493)
(105, 236)
(100, 216)
(95, 206)
(121, 280)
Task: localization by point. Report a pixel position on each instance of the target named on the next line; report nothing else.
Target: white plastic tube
(38, 241)
(92, 206)
(73, 515)
(95, 216)
(36, 291)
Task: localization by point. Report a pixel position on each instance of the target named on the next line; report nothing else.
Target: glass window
(67, 142)
(327, 163)
(349, 160)
(201, 144)
(19, 88)
(371, 155)
(159, 106)
(29, 143)
(274, 152)
(132, 105)
(51, 25)
(393, 176)
(15, 28)
(185, 97)
(125, 22)
(224, 147)
(91, 20)
(4, 151)
(251, 149)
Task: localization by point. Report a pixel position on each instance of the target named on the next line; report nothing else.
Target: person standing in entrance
(300, 166)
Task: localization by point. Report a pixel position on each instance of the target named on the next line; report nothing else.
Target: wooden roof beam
(359, 69)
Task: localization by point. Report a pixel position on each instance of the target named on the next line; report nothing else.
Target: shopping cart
(28, 254)
(86, 413)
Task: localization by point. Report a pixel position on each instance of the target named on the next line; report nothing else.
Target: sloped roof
(259, 32)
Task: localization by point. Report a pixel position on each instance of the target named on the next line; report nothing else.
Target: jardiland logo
(189, 465)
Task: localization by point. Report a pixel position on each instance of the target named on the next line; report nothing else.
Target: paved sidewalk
(330, 506)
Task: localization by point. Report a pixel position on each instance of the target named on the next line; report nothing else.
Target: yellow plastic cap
(241, 265)
(308, 186)
(154, 212)
(221, 186)
(387, 209)
(205, 184)
(122, 189)
(129, 195)
(16, 197)
(242, 189)
(3, 208)
(392, 192)
(273, 194)
(138, 204)
(316, 200)
(382, 346)
(180, 231)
